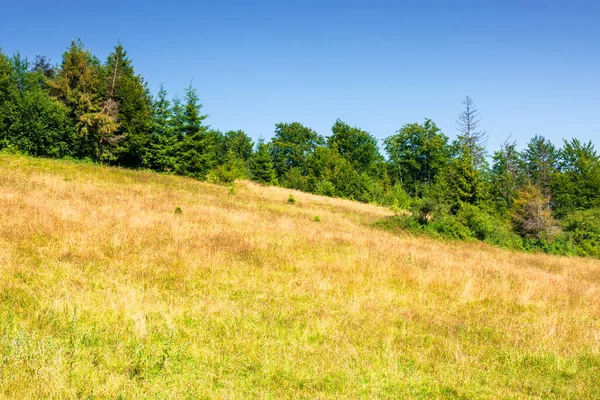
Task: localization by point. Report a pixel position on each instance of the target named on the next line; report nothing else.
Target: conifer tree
(132, 99)
(78, 85)
(161, 153)
(261, 165)
(539, 159)
(506, 176)
(197, 150)
(472, 139)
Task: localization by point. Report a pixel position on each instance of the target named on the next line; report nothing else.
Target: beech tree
(291, 146)
(418, 152)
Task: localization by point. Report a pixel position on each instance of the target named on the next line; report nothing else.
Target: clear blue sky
(532, 67)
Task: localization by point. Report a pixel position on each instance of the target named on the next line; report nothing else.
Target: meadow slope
(105, 292)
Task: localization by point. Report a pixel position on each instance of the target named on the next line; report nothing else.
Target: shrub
(291, 199)
(178, 211)
(448, 226)
(584, 228)
(316, 219)
(234, 168)
(325, 188)
(397, 198)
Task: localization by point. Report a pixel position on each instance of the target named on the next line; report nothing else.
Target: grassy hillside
(105, 292)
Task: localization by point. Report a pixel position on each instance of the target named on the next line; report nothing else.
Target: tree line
(543, 197)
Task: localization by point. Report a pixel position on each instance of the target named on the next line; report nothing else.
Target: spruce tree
(261, 165)
(161, 153)
(78, 85)
(133, 101)
(197, 150)
(506, 176)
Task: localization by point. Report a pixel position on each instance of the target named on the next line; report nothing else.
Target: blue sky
(532, 67)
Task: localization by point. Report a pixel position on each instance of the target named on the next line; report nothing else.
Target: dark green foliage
(160, 154)
(239, 143)
(355, 145)
(197, 147)
(418, 152)
(577, 185)
(292, 145)
(34, 123)
(261, 165)
(79, 85)
(584, 228)
(8, 93)
(41, 126)
(291, 199)
(134, 101)
(506, 176)
(539, 160)
(294, 179)
(466, 182)
(178, 211)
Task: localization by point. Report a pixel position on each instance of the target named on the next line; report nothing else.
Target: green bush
(234, 168)
(325, 188)
(449, 227)
(584, 228)
(481, 224)
(397, 198)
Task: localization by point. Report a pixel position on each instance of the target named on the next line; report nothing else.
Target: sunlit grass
(105, 291)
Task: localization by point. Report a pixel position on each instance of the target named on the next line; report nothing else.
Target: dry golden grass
(106, 293)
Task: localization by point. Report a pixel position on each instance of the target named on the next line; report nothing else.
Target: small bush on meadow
(325, 188)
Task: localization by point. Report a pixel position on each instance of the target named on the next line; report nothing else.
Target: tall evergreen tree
(261, 165)
(197, 150)
(506, 176)
(78, 84)
(466, 182)
(539, 160)
(132, 98)
(161, 154)
(576, 186)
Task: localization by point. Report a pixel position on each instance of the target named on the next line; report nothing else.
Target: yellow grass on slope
(106, 292)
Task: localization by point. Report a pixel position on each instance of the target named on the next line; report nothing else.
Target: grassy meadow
(106, 292)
